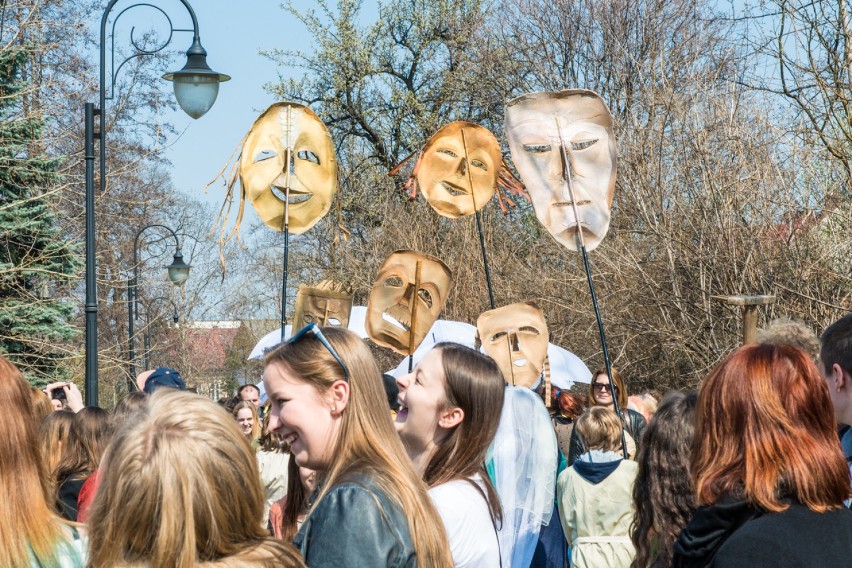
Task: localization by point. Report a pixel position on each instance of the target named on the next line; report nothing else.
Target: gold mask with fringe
(289, 147)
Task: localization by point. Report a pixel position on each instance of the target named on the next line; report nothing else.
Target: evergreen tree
(35, 261)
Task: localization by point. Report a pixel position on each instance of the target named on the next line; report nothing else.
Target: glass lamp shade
(196, 85)
(196, 93)
(178, 270)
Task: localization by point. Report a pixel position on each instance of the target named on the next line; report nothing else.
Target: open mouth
(296, 196)
(395, 322)
(453, 189)
(519, 362)
(289, 439)
(402, 413)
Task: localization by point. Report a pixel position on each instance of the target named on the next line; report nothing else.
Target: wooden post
(749, 310)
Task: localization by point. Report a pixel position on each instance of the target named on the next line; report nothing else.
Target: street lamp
(178, 272)
(196, 87)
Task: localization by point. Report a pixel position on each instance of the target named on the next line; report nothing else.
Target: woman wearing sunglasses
(369, 509)
(600, 394)
(449, 412)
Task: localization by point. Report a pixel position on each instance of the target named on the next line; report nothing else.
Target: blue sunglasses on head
(315, 329)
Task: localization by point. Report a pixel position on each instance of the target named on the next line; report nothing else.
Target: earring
(334, 408)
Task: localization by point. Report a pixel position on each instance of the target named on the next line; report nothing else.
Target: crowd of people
(338, 466)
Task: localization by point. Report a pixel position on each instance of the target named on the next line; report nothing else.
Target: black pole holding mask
(567, 169)
(478, 225)
(289, 164)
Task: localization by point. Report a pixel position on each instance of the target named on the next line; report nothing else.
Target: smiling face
(245, 419)
(458, 168)
(536, 142)
(289, 146)
(515, 336)
(404, 301)
(302, 417)
(422, 401)
(322, 307)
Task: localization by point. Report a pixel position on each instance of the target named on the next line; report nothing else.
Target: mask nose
(513, 341)
(408, 295)
(462, 169)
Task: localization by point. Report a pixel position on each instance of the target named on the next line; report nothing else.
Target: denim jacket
(356, 525)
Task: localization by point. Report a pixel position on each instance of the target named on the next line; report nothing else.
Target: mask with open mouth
(407, 297)
(516, 337)
(538, 127)
(325, 305)
(289, 147)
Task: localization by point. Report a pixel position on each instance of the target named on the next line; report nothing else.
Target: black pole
(91, 306)
(284, 279)
(567, 173)
(485, 261)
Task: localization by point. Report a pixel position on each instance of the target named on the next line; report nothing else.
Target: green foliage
(34, 260)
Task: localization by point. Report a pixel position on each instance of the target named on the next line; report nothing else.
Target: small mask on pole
(407, 297)
(516, 337)
(325, 305)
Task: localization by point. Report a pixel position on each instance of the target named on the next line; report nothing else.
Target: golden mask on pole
(288, 168)
(458, 169)
(563, 142)
(407, 297)
(516, 337)
(324, 305)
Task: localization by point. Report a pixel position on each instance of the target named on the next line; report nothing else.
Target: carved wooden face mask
(458, 169)
(289, 147)
(407, 297)
(563, 138)
(322, 306)
(515, 336)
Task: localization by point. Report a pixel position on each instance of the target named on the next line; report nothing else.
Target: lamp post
(178, 272)
(196, 87)
(146, 339)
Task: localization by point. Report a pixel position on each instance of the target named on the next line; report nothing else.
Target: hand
(72, 394)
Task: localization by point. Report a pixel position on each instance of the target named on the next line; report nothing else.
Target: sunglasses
(315, 329)
(603, 386)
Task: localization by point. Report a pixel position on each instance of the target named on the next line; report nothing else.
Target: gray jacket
(357, 526)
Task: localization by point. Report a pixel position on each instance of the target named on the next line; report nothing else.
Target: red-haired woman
(569, 407)
(767, 468)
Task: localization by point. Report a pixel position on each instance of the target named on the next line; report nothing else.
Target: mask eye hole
(537, 148)
(308, 156)
(528, 329)
(264, 155)
(426, 297)
(309, 318)
(448, 152)
(498, 336)
(478, 164)
(394, 281)
(583, 144)
(333, 321)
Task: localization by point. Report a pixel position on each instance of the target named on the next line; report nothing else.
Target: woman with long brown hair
(87, 439)
(600, 394)
(329, 405)
(449, 412)
(245, 413)
(167, 496)
(767, 469)
(288, 514)
(32, 533)
(662, 494)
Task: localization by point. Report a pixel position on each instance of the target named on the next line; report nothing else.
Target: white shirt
(467, 520)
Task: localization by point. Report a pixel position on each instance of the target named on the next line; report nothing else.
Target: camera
(58, 393)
